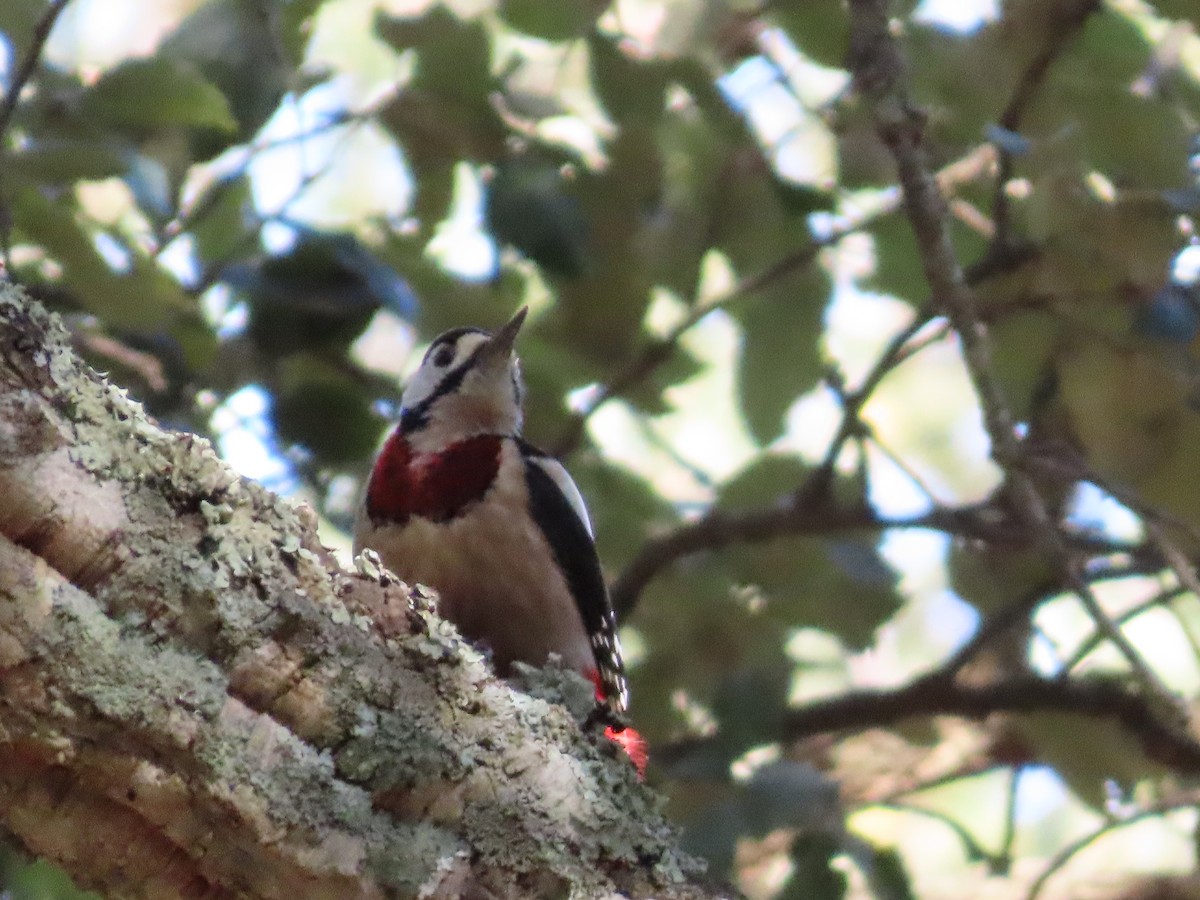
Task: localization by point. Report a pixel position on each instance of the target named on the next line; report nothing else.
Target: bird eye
(443, 356)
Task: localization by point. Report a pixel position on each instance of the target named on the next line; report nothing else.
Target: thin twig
(1031, 80)
(1066, 853)
(29, 62)
(704, 534)
(1004, 857)
(1095, 639)
(721, 528)
(915, 477)
(195, 212)
(995, 625)
(818, 483)
(878, 69)
(655, 354)
(975, 850)
(1075, 469)
(806, 511)
(28, 65)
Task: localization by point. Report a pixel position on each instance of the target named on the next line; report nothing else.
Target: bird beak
(500, 344)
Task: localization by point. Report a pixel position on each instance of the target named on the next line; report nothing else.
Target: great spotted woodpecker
(458, 501)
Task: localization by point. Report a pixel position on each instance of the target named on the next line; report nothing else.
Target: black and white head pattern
(457, 362)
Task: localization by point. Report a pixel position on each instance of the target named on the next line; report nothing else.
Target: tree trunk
(196, 700)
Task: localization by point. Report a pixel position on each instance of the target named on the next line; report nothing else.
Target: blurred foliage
(289, 198)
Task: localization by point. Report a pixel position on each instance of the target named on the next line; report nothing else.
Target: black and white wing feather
(558, 508)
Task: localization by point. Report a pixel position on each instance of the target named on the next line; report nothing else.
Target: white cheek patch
(425, 381)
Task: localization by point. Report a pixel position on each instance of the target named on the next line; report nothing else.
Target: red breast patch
(436, 486)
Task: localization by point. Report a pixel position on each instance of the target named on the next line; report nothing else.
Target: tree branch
(25, 70)
(800, 512)
(878, 70)
(653, 355)
(1185, 800)
(1069, 24)
(656, 353)
(939, 695)
(29, 62)
(720, 528)
(196, 698)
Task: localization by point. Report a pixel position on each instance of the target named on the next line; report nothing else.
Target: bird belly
(495, 576)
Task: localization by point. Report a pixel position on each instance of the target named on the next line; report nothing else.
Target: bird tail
(625, 737)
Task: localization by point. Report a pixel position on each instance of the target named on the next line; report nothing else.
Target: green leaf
(61, 160)
(1087, 752)
(780, 356)
(225, 223)
(884, 870)
(843, 586)
(624, 507)
(157, 92)
(1179, 9)
(992, 578)
(530, 207)
(196, 342)
(898, 270)
(749, 706)
(557, 21)
(445, 113)
(236, 47)
(454, 56)
(1022, 344)
(1091, 89)
(319, 293)
(1126, 407)
(790, 794)
(675, 241)
(1133, 411)
(18, 19)
(322, 408)
(813, 875)
(819, 28)
(763, 483)
(140, 299)
(690, 606)
(649, 396)
(37, 879)
(971, 75)
(750, 222)
(631, 90)
(295, 26)
(714, 835)
(603, 308)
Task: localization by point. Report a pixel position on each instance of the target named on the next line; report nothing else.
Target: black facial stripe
(417, 417)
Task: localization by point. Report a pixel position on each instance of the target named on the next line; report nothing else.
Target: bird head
(468, 383)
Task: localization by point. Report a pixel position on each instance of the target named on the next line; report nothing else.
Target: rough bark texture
(197, 701)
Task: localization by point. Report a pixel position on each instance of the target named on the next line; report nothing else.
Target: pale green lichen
(451, 723)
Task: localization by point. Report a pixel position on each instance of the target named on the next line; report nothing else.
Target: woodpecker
(459, 501)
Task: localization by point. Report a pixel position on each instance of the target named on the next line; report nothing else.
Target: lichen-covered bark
(196, 700)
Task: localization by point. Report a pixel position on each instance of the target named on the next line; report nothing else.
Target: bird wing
(558, 509)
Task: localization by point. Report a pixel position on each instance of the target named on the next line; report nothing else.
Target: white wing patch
(566, 487)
